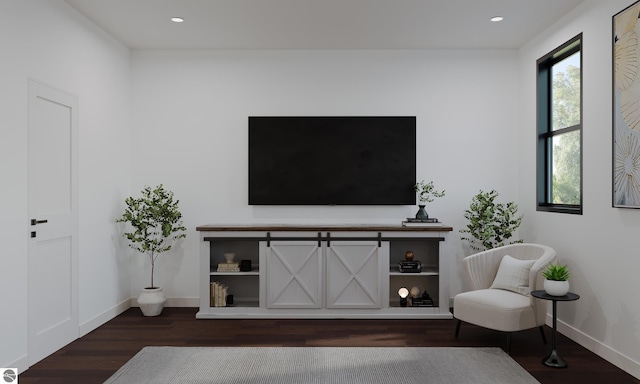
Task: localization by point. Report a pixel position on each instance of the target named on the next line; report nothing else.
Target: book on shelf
(427, 220)
(218, 295)
(222, 295)
(228, 267)
(422, 304)
(423, 223)
(213, 293)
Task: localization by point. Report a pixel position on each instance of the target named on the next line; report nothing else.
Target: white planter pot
(556, 288)
(151, 301)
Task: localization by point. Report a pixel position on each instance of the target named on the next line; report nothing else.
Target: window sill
(560, 208)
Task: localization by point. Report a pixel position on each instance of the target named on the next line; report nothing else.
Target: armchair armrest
(536, 280)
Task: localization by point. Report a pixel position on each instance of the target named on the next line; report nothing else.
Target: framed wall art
(626, 108)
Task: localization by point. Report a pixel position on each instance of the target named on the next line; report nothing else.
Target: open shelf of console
(328, 271)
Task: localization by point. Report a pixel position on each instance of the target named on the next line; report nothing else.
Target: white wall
(190, 131)
(49, 42)
(601, 245)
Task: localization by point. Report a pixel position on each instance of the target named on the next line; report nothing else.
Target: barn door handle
(36, 222)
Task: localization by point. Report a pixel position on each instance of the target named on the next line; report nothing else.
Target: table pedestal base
(554, 360)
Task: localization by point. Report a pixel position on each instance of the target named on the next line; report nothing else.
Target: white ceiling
(323, 24)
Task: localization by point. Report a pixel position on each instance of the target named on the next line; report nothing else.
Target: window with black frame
(559, 124)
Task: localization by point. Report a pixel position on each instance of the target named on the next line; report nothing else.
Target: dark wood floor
(96, 356)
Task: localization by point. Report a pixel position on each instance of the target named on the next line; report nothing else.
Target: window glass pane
(565, 92)
(566, 168)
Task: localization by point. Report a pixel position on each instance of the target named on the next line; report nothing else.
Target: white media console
(323, 271)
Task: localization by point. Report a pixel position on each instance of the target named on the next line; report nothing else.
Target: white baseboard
(174, 302)
(103, 317)
(616, 358)
(22, 364)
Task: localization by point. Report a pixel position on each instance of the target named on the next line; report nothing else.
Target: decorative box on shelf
(410, 266)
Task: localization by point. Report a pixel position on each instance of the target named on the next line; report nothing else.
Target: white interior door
(53, 250)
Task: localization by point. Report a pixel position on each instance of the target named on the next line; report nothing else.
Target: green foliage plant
(556, 272)
(427, 192)
(490, 224)
(156, 222)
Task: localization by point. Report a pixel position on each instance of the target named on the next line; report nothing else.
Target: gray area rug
(320, 365)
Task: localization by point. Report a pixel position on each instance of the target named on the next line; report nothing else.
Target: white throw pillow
(513, 275)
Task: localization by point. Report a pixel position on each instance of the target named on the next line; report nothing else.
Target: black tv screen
(332, 160)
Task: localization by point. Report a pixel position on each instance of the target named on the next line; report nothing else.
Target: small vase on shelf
(422, 213)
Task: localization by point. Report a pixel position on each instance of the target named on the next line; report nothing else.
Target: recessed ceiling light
(177, 19)
(495, 19)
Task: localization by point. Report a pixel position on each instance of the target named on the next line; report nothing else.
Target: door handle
(36, 222)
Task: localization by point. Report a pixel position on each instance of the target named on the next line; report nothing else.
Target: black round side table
(554, 360)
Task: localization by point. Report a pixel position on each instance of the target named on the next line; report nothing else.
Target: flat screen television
(352, 160)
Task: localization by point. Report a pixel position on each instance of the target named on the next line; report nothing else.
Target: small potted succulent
(426, 194)
(556, 281)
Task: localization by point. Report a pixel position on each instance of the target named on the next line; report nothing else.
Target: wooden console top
(320, 228)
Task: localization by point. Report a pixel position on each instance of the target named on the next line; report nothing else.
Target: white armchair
(500, 301)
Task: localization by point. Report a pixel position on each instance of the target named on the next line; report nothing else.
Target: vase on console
(426, 194)
(422, 213)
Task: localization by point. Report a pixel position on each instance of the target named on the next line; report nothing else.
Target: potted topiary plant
(157, 224)
(490, 224)
(556, 281)
(426, 194)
